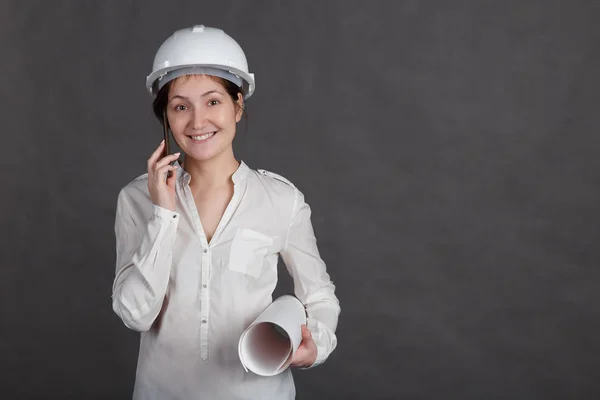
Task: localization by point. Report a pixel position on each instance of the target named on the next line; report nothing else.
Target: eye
(180, 107)
(213, 102)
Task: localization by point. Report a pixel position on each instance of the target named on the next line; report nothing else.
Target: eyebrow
(187, 98)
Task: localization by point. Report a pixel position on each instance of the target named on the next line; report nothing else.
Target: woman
(198, 241)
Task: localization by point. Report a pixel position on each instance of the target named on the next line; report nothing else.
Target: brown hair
(162, 98)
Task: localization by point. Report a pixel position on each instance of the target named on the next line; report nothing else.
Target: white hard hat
(201, 50)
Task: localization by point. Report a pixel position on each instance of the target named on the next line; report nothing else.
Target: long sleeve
(143, 265)
(312, 284)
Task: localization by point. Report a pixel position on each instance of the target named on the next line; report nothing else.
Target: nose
(199, 119)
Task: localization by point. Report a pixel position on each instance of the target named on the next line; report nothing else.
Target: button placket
(204, 304)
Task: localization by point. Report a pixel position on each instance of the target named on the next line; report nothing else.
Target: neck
(208, 174)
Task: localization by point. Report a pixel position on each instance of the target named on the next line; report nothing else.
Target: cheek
(177, 124)
(225, 119)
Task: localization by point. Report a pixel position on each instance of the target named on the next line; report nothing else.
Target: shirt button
(203, 321)
(206, 250)
(174, 216)
(204, 286)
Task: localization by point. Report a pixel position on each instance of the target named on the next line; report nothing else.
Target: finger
(161, 173)
(165, 169)
(156, 154)
(166, 160)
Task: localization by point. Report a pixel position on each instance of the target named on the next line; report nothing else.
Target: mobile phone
(166, 134)
(167, 150)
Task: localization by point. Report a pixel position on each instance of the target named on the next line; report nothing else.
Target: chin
(200, 156)
(205, 154)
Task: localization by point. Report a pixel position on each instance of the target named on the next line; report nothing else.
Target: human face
(202, 116)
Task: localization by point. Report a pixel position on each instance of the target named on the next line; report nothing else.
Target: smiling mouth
(203, 137)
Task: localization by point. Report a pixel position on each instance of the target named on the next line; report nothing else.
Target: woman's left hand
(306, 354)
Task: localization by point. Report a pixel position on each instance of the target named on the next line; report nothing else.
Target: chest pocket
(248, 251)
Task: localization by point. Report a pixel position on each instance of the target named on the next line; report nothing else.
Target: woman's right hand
(160, 185)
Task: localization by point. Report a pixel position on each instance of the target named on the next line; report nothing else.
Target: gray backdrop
(448, 149)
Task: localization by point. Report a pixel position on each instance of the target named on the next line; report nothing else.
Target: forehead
(195, 84)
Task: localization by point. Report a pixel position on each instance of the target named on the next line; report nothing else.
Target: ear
(239, 109)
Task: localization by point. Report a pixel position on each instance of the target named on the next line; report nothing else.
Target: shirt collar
(238, 176)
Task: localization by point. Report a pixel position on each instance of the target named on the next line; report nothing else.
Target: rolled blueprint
(267, 346)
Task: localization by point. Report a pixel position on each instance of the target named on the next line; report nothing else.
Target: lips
(203, 137)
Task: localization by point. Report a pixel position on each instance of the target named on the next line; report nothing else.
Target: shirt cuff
(164, 213)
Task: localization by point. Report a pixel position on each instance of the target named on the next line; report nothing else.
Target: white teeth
(204, 137)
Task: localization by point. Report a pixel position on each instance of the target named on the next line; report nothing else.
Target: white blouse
(192, 299)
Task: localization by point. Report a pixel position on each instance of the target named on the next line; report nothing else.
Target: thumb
(306, 335)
